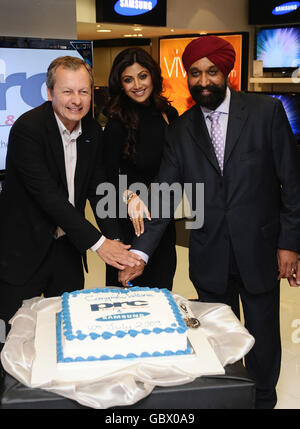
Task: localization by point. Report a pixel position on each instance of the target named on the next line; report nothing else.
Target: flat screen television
(278, 48)
(153, 12)
(291, 104)
(23, 67)
(273, 12)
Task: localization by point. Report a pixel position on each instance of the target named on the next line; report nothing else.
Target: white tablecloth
(228, 338)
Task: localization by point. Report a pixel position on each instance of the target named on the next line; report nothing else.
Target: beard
(211, 101)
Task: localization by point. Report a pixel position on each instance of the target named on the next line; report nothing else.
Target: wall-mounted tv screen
(273, 12)
(174, 75)
(23, 67)
(153, 12)
(291, 104)
(278, 48)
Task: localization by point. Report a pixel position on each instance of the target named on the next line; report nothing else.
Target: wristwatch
(127, 196)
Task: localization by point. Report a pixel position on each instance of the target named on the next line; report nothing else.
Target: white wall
(38, 18)
(208, 15)
(86, 10)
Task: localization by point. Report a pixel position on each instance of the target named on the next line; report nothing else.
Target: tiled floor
(288, 388)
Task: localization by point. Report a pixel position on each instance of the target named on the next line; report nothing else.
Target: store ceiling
(88, 31)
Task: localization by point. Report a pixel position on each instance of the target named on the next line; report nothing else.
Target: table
(234, 390)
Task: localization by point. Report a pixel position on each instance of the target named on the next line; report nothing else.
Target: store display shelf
(274, 80)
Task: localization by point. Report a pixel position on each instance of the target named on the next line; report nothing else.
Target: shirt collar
(63, 130)
(224, 106)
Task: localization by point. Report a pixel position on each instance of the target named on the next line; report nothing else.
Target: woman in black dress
(134, 139)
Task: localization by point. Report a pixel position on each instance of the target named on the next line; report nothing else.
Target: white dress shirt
(69, 140)
(224, 109)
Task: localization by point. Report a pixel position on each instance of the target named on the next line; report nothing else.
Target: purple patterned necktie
(217, 137)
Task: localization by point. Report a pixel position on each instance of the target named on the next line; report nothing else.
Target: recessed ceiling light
(137, 28)
(103, 31)
(172, 30)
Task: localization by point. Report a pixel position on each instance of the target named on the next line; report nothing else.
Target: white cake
(105, 324)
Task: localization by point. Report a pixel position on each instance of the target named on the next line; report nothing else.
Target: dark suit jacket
(34, 199)
(255, 204)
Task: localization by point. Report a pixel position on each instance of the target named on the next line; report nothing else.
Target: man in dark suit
(251, 233)
(54, 163)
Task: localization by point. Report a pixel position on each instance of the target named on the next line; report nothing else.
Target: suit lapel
(198, 130)
(84, 143)
(83, 153)
(236, 120)
(57, 147)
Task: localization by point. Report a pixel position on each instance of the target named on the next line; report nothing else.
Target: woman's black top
(160, 270)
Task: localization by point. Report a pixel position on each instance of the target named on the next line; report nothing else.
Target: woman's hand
(137, 211)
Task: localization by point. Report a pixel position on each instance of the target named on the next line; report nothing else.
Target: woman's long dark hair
(121, 106)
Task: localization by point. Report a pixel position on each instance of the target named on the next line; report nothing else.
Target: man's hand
(287, 263)
(117, 254)
(131, 273)
(294, 279)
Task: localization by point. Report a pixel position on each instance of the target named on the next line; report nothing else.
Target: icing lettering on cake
(105, 324)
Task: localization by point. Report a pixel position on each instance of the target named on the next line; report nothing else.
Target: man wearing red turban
(242, 148)
(217, 50)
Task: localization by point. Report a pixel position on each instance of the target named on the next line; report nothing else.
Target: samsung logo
(125, 304)
(134, 7)
(286, 8)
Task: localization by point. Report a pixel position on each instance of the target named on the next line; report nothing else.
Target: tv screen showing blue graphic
(291, 104)
(144, 12)
(278, 48)
(273, 12)
(23, 67)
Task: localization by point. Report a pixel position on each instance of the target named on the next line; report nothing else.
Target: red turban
(217, 50)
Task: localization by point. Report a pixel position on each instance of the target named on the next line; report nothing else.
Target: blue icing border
(59, 348)
(181, 327)
(62, 359)
(70, 335)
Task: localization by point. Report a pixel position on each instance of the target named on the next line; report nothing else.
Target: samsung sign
(286, 8)
(275, 12)
(134, 7)
(144, 12)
